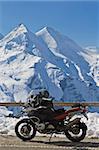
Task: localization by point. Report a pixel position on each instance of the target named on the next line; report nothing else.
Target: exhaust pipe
(71, 123)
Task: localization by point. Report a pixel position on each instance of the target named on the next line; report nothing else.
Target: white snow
(91, 54)
(7, 125)
(93, 125)
(41, 68)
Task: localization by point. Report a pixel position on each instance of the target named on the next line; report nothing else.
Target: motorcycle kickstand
(50, 137)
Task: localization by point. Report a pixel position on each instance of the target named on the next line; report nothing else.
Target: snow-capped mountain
(92, 57)
(46, 59)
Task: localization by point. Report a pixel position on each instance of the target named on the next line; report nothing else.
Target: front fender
(26, 120)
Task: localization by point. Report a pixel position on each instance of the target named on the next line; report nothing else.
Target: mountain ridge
(29, 63)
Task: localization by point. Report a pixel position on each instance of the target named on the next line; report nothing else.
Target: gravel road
(42, 143)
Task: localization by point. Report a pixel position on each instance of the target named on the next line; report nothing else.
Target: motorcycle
(45, 119)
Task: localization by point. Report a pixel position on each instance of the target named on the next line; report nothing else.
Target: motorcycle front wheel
(25, 129)
(77, 132)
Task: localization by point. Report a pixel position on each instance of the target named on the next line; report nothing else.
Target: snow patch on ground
(7, 126)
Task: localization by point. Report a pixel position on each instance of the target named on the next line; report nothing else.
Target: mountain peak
(46, 30)
(22, 28)
(55, 40)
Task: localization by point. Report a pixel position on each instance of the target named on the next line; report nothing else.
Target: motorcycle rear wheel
(25, 129)
(75, 137)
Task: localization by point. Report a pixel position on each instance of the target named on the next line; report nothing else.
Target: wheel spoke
(25, 129)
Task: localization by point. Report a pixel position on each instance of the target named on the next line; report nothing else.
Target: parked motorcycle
(45, 119)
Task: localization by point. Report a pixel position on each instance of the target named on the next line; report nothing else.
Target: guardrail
(15, 104)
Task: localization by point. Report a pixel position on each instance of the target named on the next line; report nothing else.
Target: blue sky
(77, 19)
